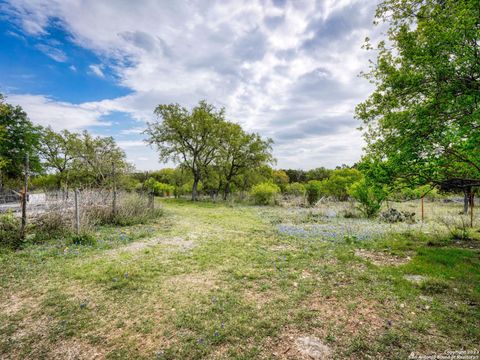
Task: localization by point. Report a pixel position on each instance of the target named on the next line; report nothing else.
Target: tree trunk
(194, 188)
(465, 201)
(472, 203)
(226, 191)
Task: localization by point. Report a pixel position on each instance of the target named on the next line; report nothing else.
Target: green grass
(217, 281)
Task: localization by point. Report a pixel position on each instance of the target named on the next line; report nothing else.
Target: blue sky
(286, 69)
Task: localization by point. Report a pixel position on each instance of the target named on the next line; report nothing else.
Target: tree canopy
(422, 122)
(201, 139)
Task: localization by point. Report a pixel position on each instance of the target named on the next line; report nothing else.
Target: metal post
(77, 213)
(24, 199)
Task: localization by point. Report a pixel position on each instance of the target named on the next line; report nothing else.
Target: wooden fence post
(77, 213)
(24, 199)
(114, 187)
(423, 209)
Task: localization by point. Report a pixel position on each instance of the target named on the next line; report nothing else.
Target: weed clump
(10, 231)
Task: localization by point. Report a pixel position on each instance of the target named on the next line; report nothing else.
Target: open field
(241, 282)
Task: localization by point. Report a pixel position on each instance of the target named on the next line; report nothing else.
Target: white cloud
(52, 52)
(289, 72)
(57, 114)
(97, 70)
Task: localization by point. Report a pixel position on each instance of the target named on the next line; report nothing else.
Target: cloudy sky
(286, 69)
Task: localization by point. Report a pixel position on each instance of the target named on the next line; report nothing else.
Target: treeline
(56, 160)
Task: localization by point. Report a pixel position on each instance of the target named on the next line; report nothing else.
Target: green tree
(422, 122)
(58, 150)
(314, 190)
(339, 181)
(369, 197)
(280, 178)
(19, 138)
(190, 138)
(296, 175)
(318, 173)
(96, 161)
(240, 151)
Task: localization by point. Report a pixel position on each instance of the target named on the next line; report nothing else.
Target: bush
(265, 193)
(314, 191)
(51, 225)
(393, 215)
(295, 189)
(131, 209)
(370, 197)
(83, 238)
(161, 189)
(337, 184)
(10, 230)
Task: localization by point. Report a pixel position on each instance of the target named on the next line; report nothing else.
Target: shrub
(51, 225)
(131, 209)
(314, 191)
(393, 215)
(337, 184)
(295, 189)
(370, 197)
(161, 189)
(83, 238)
(10, 230)
(265, 193)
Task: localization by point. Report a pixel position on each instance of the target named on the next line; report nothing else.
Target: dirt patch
(20, 301)
(349, 316)
(338, 318)
(259, 298)
(174, 244)
(202, 281)
(75, 350)
(381, 258)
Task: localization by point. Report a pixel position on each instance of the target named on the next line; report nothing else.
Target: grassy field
(242, 282)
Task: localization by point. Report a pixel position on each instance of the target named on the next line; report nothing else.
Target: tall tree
(95, 160)
(422, 122)
(240, 151)
(19, 138)
(58, 151)
(191, 138)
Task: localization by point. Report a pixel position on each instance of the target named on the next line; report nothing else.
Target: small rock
(313, 348)
(402, 306)
(295, 284)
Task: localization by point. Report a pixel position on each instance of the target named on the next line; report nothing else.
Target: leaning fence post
(24, 200)
(77, 213)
